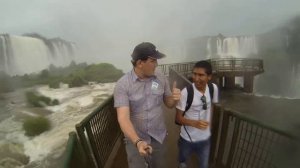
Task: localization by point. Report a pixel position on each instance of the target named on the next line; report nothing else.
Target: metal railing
(74, 155)
(237, 140)
(237, 65)
(219, 65)
(245, 141)
(179, 67)
(99, 133)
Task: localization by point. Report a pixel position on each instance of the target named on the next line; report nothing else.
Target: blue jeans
(201, 149)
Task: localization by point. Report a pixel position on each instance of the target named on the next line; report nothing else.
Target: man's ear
(139, 63)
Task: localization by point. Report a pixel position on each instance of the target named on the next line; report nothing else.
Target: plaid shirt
(144, 99)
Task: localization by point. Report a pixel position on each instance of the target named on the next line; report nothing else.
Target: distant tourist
(194, 113)
(139, 96)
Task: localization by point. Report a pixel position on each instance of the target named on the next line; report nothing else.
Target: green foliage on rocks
(39, 101)
(74, 75)
(36, 125)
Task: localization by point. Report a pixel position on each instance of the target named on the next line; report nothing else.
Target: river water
(18, 150)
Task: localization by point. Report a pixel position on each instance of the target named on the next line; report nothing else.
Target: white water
(245, 47)
(28, 54)
(275, 96)
(61, 55)
(5, 59)
(240, 47)
(76, 103)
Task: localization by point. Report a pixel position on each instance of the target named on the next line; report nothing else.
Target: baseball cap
(146, 49)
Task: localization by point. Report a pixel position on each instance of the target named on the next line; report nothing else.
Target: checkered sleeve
(121, 95)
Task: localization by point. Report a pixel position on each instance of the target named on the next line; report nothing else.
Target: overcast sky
(109, 29)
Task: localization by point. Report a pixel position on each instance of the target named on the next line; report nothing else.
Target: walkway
(171, 159)
(269, 110)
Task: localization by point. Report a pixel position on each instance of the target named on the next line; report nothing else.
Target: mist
(107, 31)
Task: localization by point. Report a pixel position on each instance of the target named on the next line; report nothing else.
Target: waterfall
(24, 54)
(235, 46)
(30, 55)
(247, 46)
(240, 46)
(208, 48)
(231, 47)
(219, 47)
(3, 55)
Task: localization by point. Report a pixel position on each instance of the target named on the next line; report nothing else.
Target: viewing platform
(242, 135)
(225, 71)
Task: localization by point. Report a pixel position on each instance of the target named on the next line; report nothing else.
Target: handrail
(245, 137)
(96, 111)
(220, 65)
(260, 123)
(98, 128)
(69, 150)
(230, 131)
(237, 65)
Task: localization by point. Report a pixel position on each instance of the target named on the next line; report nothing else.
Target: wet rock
(14, 152)
(9, 163)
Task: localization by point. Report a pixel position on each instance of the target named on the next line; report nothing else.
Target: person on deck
(139, 97)
(195, 119)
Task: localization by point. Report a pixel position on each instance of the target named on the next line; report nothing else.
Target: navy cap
(145, 50)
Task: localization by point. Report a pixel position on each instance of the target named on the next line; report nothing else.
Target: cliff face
(32, 53)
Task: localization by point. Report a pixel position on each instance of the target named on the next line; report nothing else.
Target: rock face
(31, 53)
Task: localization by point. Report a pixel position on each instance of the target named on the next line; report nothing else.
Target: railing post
(222, 143)
(233, 142)
(216, 122)
(248, 82)
(85, 145)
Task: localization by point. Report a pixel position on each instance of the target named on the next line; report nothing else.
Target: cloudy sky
(109, 29)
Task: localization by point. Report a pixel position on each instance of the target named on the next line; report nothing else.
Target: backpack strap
(211, 90)
(189, 100)
(190, 97)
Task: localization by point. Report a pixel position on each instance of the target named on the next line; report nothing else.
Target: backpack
(190, 97)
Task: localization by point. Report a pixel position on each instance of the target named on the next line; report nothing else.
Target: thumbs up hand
(176, 93)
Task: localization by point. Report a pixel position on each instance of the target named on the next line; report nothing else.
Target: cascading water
(18, 53)
(240, 47)
(236, 47)
(46, 149)
(208, 46)
(219, 46)
(279, 51)
(247, 46)
(26, 51)
(4, 59)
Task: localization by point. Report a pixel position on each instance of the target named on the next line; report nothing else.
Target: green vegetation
(102, 73)
(55, 102)
(5, 83)
(36, 125)
(39, 101)
(75, 75)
